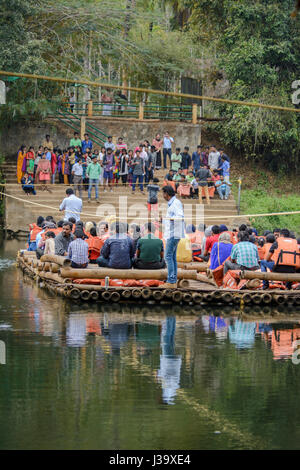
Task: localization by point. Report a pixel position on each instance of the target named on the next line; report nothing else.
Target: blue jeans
(140, 178)
(170, 257)
(223, 193)
(149, 175)
(93, 182)
(263, 266)
(167, 152)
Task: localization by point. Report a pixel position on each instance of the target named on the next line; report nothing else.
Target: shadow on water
(128, 376)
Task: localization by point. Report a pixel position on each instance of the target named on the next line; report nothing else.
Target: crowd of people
(85, 166)
(164, 243)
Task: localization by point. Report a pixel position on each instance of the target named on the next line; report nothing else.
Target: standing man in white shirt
(167, 148)
(173, 232)
(213, 158)
(109, 144)
(72, 205)
(77, 172)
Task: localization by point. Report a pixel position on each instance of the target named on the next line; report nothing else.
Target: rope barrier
(146, 218)
(148, 90)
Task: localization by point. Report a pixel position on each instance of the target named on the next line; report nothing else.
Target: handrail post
(141, 111)
(90, 108)
(239, 195)
(82, 127)
(194, 113)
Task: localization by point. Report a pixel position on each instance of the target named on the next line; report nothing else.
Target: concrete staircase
(119, 203)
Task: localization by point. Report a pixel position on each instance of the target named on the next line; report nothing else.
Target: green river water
(141, 376)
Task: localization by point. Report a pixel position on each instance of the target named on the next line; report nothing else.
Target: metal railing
(133, 110)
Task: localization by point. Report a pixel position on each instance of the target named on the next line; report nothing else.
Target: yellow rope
(148, 90)
(146, 218)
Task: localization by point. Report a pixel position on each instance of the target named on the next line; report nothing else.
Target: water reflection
(95, 376)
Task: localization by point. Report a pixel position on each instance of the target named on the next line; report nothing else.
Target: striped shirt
(78, 251)
(245, 254)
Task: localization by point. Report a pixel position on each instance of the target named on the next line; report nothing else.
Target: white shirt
(72, 206)
(78, 170)
(174, 228)
(168, 142)
(109, 145)
(213, 160)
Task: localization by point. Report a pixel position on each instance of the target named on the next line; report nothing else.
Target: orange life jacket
(267, 247)
(287, 253)
(95, 244)
(35, 229)
(54, 230)
(261, 252)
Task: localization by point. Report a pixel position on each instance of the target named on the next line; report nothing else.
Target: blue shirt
(225, 167)
(48, 156)
(119, 251)
(86, 145)
(168, 142)
(78, 251)
(217, 257)
(196, 160)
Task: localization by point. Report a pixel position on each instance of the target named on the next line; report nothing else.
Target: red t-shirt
(210, 241)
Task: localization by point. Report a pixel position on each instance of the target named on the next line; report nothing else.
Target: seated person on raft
(118, 250)
(78, 251)
(150, 250)
(282, 257)
(63, 239)
(244, 255)
(221, 250)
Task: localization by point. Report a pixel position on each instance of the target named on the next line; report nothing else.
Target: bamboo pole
(85, 295)
(197, 297)
(146, 293)
(256, 299)
(267, 298)
(54, 268)
(246, 298)
(136, 293)
(126, 294)
(115, 296)
(187, 297)
(106, 295)
(101, 273)
(205, 280)
(279, 299)
(183, 284)
(148, 90)
(158, 294)
(293, 277)
(75, 293)
(177, 296)
(53, 259)
(94, 295)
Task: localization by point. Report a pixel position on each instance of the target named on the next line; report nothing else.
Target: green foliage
(258, 50)
(261, 201)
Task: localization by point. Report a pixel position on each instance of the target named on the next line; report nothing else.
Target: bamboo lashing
(101, 273)
(292, 277)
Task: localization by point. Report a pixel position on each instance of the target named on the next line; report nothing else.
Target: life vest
(35, 229)
(56, 231)
(287, 253)
(95, 244)
(267, 247)
(184, 250)
(261, 252)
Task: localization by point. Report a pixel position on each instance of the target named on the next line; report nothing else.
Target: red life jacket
(287, 253)
(34, 230)
(95, 244)
(54, 230)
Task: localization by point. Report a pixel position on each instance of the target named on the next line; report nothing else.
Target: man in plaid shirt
(244, 255)
(78, 251)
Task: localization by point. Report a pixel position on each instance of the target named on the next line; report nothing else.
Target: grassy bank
(259, 201)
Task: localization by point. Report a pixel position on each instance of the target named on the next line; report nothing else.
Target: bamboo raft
(55, 274)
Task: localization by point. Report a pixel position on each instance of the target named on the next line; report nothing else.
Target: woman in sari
(20, 161)
(28, 162)
(43, 172)
(65, 167)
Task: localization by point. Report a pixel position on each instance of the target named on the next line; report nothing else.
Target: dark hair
(178, 148)
(155, 180)
(49, 218)
(72, 220)
(150, 227)
(93, 232)
(186, 148)
(168, 190)
(50, 235)
(285, 232)
(252, 239)
(40, 220)
(270, 238)
(242, 228)
(276, 230)
(250, 231)
(243, 236)
(69, 191)
(69, 224)
(60, 223)
(79, 233)
(215, 229)
(261, 241)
